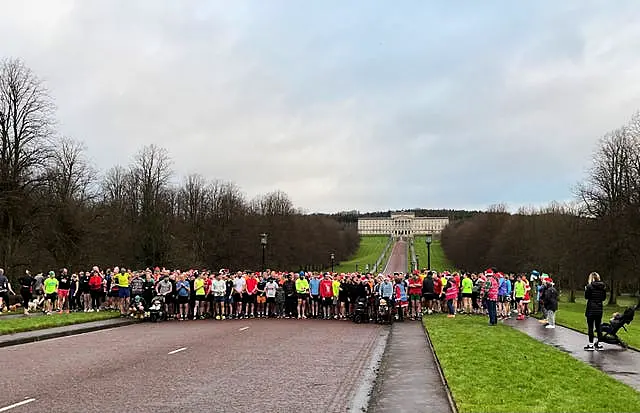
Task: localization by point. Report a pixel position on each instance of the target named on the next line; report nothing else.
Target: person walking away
(490, 291)
(451, 295)
(518, 292)
(38, 288)
(64, 285)
(400, 296)
(504, 295)
(428, 292)
(541, 289)
(415, 294)
(336, 284)
(50, 292)
(467, 293)
(302, 290)
(527, 296)
(595, 293)
(437, 290)
(26, 286)
(201, 298)
(551, 303)
(314, 292)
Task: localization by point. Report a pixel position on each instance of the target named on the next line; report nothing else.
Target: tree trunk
(613, 296)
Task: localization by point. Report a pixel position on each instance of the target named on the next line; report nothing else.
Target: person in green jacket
(302, 290)
(467, 293)
(518, 292)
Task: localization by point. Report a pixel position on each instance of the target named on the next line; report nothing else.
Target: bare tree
(26, 118)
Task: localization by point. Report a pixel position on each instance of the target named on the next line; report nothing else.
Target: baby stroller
(156, 310)
(385, 311)
(361, 314)
(610, 330)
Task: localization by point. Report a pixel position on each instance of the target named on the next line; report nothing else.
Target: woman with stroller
(595, 293)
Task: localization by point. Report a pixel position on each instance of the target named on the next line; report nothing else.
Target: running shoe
(589, 347)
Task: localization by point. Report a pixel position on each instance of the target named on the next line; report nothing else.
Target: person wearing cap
(551, 303)
(50, 291)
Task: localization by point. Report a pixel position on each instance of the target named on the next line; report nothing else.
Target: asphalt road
(222, 366)
(398, 259)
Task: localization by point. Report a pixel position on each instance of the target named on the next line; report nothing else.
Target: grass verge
(439, 261)
(26, 323)
(499, 369)
(368, 252)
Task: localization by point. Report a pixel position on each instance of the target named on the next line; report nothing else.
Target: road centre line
(244, 328)
(4, 409)
(177, 351)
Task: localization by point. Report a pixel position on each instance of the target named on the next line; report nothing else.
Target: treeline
(599, 232)
(57, 211)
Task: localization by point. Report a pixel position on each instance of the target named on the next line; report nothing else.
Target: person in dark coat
(550, 300)
(595, 293)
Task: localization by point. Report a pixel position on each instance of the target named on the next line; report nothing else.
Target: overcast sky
(367, 105)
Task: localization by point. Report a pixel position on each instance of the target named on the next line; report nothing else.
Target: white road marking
(4, 409)
(177, 351)
(244, 328)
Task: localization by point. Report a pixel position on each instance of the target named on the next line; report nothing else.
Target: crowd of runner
(224, 295)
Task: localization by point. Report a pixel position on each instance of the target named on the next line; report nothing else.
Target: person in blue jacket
(504, 296)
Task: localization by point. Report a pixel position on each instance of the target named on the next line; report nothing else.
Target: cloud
(357, 105)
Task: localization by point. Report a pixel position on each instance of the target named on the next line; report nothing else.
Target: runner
(251, 292)
(270, 290)
(122, 280)
(201, 298)
(428, 292)
(218, 288)
(64, 285)
(314, 291)
(95, 288)
(467, 293)
(415, 295)
(184, 291)
(261, 298)
(326, 293)
(26, 286)
(50, 292)
(302, 291)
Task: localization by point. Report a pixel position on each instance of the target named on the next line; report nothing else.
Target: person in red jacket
(95, 288)
(326, 294)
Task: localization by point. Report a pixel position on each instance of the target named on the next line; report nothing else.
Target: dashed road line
(244, 328)
(177, 351)
(4, 409)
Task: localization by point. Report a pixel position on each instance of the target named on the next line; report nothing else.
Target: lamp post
(263, 242)
(356, 267)
(418, 262)
(333, 258)
(428, 240)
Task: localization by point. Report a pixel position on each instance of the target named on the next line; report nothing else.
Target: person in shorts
(218, 290)
(122, 279)
(50, 292)
(239, 287)
(270, 292)
(64, 285)
(314, 293)
(415, 296)
(428, 294)
(261, 298)
(201, 298)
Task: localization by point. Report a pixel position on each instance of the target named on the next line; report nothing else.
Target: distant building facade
(402, 224)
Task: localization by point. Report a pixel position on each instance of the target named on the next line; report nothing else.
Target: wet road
(623, 365)
(398, 259)
(223, 366)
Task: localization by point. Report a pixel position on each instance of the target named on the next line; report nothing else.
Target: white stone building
(402, 224)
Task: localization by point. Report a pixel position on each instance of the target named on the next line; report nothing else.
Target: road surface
(222, 366)
(398, 259)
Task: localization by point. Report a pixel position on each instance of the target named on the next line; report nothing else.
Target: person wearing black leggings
(595, 293)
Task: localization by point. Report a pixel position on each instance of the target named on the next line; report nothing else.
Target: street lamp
(418, 262)
(333, 258)
(428, 240)
(263, 242)
(356, 267)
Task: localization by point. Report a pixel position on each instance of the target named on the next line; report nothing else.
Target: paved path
(222, 366)
(623, 365)
(409, 379)
(398, 259)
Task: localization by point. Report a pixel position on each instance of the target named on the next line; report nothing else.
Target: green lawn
(499, 369)
(26, 323)
(572, 315)
(438, 260)
(368, 253)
